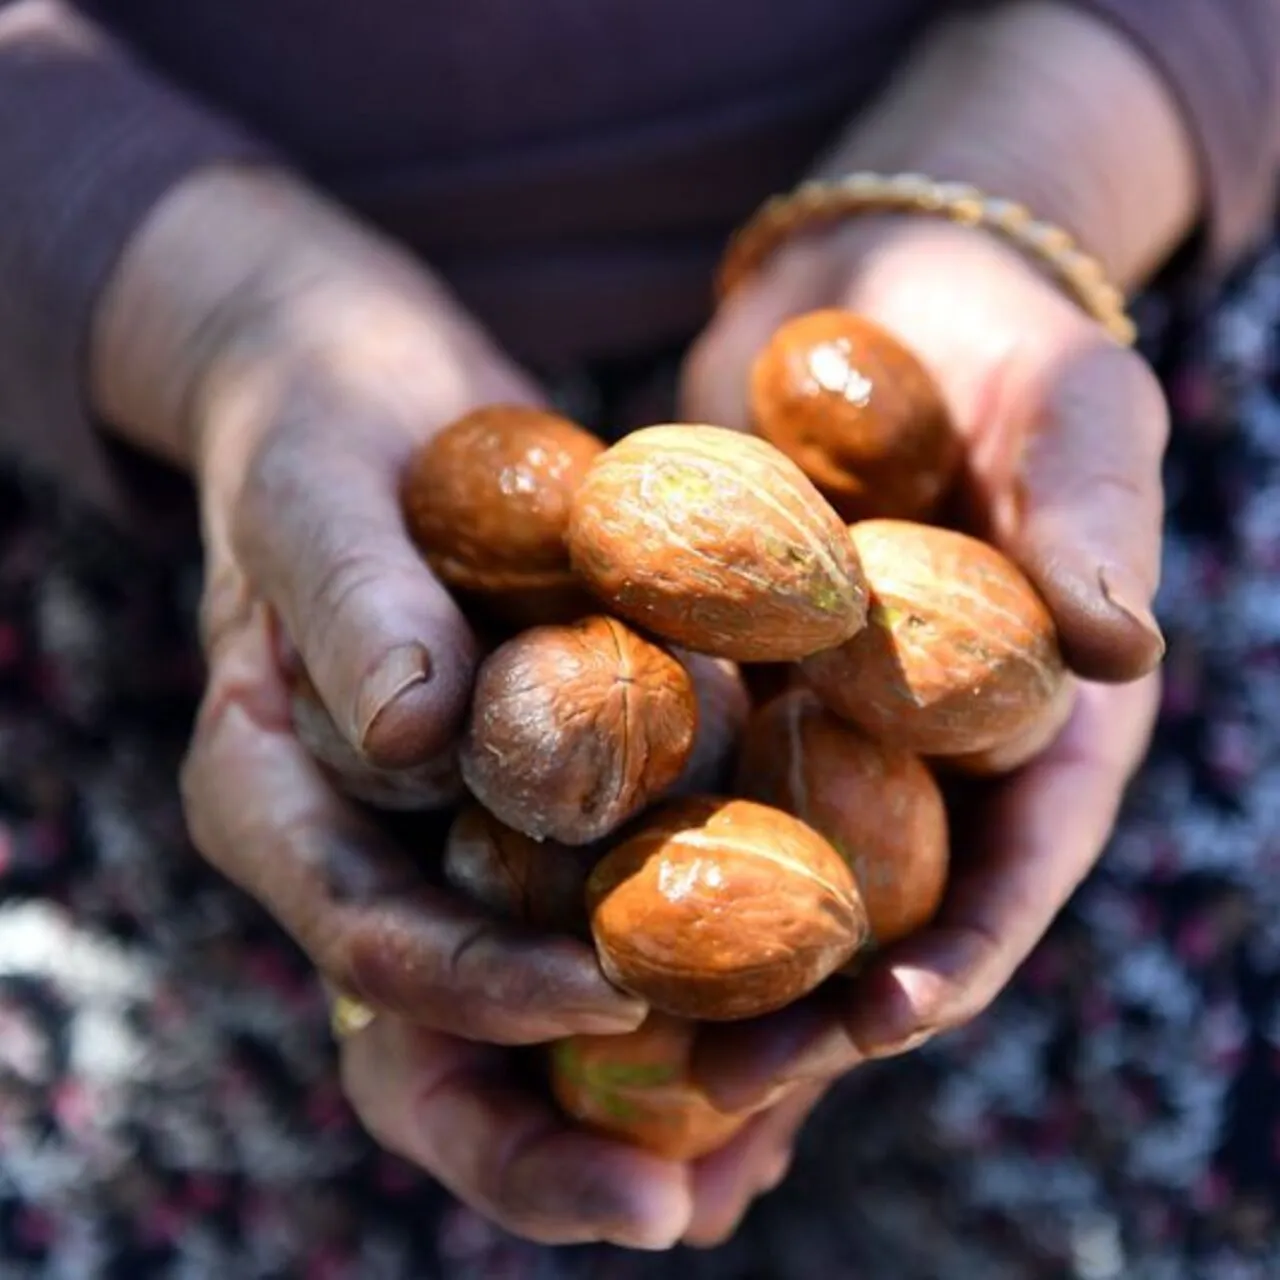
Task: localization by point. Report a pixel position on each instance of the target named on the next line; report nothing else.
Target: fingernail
(596, 1022)
(402, 669)
(660, 1214)
(1122, 590)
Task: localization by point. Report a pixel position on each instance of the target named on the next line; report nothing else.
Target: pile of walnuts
(725, 669)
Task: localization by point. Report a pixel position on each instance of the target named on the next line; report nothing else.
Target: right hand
(295, 361)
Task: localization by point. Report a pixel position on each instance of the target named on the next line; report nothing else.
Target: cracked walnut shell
(960, 653)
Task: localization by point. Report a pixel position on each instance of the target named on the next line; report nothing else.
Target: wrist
(244, 291)
(1023, 101)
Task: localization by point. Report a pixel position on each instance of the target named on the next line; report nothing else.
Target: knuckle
(376, 958)
(344, 576)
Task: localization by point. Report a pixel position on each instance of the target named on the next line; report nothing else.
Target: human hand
(487, 1131)
(1064, 433)
(315, 359)
(305, 380)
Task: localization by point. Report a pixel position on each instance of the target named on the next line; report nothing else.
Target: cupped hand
(323, 378)
(481, 1122)
(1064, 432)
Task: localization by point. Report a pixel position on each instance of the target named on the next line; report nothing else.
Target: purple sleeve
(1221, 61)
(90, 140)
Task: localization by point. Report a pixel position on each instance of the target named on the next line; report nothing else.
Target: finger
(447, 1106)
(1087, 517)
(1043, 832)
(756, 1161)
(261, 812)
(318, 530)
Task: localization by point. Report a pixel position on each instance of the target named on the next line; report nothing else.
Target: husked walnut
(960, 654)
(877, 804)
(858, 412)
(716, 541)
(536, 882)
(637, 1087)
(717, 909)
(576, 728)
(487, 501)
(723, 708)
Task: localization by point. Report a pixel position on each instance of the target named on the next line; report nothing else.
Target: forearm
(1040, 102)
(240, 278)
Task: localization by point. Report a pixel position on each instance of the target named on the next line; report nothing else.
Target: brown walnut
(959, 654)
(723, 708)
(858, 412)
(576, 728)
(716, 541)
(637, 1087)
(487, 501)
(535, 882)
(1011, 754)
(718, 909)
(878, 806)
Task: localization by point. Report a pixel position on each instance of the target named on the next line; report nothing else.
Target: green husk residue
(604, 1080)
(678, 484)
(887, 616)
(824, 594)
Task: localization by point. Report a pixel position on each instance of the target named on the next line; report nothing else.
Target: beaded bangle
(815, 205)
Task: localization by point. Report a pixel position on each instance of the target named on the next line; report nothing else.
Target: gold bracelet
(815, 205)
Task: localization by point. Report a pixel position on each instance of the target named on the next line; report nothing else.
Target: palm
(1064, 433)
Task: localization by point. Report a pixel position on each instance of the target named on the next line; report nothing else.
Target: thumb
(1065, 430)
(317, 528)
(1082, 509)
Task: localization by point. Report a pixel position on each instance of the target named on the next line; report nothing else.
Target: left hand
(1065, 434)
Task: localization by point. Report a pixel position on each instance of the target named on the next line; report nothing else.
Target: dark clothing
(572, 169)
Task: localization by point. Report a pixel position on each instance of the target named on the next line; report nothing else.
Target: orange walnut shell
(718, 542)
(435, 784)
(878, 805)
(859, 413)
(719, 909)
(535, 882)
(637, 1087)
(960, 653)
(576, 728)
(487, 500)
(1013, 753)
